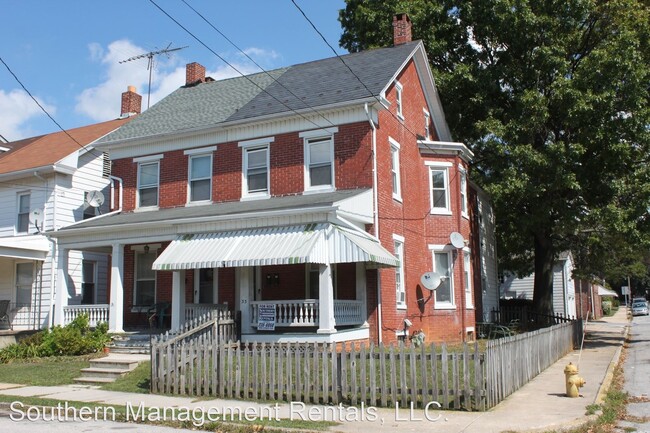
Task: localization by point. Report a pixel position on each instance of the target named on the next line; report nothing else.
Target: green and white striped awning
(309, 243)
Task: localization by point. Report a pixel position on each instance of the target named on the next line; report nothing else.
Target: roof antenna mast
(150, 55)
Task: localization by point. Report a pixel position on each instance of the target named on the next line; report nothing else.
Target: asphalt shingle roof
(313, 84)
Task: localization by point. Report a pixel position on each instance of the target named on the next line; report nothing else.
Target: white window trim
(200, 151)
(245, 195)
(400, 305)
(427, 124)
(467, 276)
(306, 137)
(14, 294)
(257, 142)
(449, 249)
(149, 158)
(395, 162)
(135, 277)
(189, 178)
(137, 190)
(17, 215)
(399, 100)
(437, 210)
(462, 172)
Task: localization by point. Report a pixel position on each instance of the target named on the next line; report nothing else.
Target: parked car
(640, 308)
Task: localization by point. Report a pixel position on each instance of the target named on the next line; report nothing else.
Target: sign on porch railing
(266, 317)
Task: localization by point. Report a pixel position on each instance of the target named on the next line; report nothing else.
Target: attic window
(398, 99)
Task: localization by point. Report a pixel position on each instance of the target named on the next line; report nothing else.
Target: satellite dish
(457, 240)
(95, 198)
(36, 218)
(430, 280)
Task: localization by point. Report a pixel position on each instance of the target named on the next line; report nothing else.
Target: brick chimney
(131, 102)
(401, 29)
(194, 74)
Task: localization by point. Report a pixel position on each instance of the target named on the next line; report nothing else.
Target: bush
(75, 338)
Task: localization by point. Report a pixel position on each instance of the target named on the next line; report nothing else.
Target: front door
(205, 287)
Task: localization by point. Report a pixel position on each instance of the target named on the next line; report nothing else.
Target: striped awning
(309, 243)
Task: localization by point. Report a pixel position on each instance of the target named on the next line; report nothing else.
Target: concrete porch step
(109, 368)
(113, 373)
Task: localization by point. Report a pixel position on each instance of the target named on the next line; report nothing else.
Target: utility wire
(255, 63)
(45, 111)
(231, 65)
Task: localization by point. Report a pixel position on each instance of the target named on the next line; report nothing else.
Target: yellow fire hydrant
(573, 381)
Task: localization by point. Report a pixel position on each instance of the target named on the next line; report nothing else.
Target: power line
(231, 65)
(255, 63)
(45, 111)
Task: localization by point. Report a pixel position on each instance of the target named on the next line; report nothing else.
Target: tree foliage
(552, 96)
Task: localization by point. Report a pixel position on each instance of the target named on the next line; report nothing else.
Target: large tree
(552, 96)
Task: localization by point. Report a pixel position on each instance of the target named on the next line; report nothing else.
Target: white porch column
(244, 283)
(178, 299)
(61, 285)
(116, 307)
(326, 322)
(362, 291)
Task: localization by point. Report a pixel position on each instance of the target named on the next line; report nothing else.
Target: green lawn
(44, 371)
(136, 381)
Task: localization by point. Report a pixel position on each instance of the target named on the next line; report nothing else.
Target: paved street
(637, 376)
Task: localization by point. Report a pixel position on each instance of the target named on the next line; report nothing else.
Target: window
(439, 184)
(469, 302)
(88, 283)
(148, 177)
(22, 223)
(200, 178)
(463, 192)
(145, 279)
(395, 169)
(443, 266)
(400, 291)
(427, 125)
(398, 99)
(319, 155)
(24, 282)
(256, 168)
(313, 280)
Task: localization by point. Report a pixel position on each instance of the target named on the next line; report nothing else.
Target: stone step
(114, 363)
(130, 350)
(109, 368)
(94, 380)
(103, 372)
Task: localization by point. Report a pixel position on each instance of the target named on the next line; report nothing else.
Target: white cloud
(102, 102)
(16, 110)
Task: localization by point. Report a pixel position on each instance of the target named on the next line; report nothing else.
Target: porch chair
(157, 313)
(4, 313)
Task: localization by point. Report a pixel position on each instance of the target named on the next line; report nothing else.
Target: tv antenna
(150, 56)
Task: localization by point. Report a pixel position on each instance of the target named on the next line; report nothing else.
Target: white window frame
(308, 138)
(444, 167)
(450, 251)
(395, 169)
(93, 282)
(139, 252)
(251, 146)
(19, 214)
(400, 288)
(467, 276)
(427, 124)
(399, 101)
(31, 288)
(464, 202)
(190, 180)
(148, 160)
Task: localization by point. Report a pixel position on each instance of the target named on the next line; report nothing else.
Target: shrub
(75, 338)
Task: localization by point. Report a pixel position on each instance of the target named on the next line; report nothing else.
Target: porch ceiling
(311, 243)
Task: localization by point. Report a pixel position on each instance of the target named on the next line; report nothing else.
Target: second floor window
(256, 166)
(439, 190)
(442, 265)
(400, 291)
(318, 159)
(22, 222)
(148, 177)
(200, 178)
(394, 169)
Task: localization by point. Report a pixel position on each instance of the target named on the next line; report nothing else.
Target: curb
(609, 375)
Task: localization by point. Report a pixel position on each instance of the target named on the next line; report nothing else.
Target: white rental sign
(266, 317)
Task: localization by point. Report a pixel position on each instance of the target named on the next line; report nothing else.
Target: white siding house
(44, 183)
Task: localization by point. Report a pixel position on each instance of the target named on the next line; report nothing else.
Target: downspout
(375, 212)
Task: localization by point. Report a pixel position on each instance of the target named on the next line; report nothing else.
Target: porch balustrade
(96, 313)
(193, 311)
(304, 312)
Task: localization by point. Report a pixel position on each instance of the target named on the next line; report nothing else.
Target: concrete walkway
(539, 406)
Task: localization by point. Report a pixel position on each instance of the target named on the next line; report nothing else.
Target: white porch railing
(96, 313)
(304, 312)
(194, 311)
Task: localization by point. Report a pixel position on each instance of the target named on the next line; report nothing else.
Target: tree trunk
(543, 289)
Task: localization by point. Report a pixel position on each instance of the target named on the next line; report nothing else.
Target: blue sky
(67, 52)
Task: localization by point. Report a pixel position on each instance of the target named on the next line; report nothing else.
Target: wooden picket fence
(203, 362)
(323, 374)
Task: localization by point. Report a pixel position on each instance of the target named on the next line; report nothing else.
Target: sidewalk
(540, 405)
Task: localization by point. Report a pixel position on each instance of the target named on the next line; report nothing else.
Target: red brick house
(321, 192)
